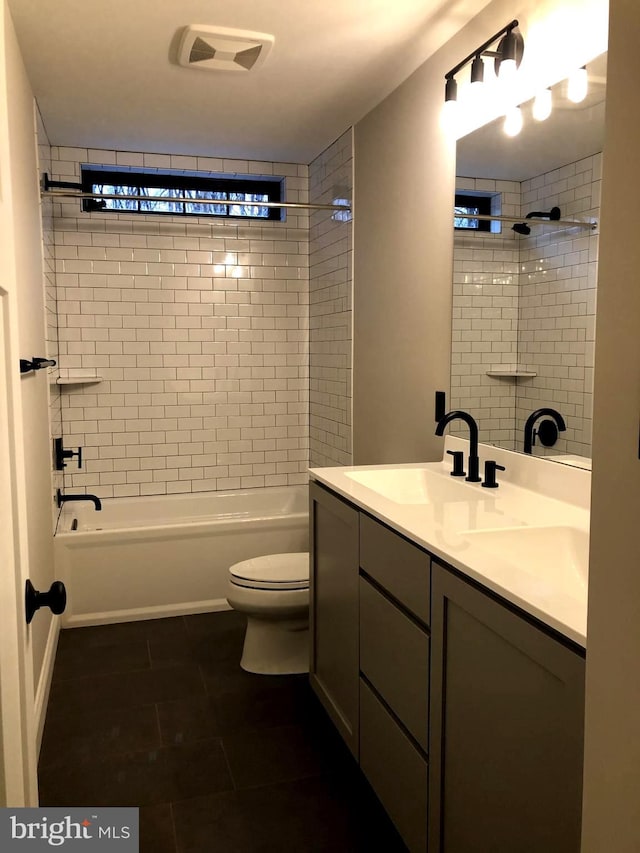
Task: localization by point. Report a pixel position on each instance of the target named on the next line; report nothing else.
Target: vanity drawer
(394, 656)
(395, 769)
(401, 568)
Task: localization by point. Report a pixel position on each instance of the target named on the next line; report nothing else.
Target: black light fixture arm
(482, 49)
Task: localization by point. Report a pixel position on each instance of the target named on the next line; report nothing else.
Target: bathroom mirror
(524, 300)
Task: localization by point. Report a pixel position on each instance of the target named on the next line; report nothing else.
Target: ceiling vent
(222, 49)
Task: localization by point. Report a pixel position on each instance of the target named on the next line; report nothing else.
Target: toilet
(273, 592)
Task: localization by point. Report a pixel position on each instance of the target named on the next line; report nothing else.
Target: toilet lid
(273, 571)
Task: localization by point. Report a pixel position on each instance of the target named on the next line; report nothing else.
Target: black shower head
(521, 228)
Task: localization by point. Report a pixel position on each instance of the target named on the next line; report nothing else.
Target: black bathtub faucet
(60, 499)
(547, 432)
(474, 463)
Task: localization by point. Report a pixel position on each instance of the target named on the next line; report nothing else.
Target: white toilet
(273, 591)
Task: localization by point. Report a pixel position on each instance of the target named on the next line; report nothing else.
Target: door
(507, 722)
(18, 781)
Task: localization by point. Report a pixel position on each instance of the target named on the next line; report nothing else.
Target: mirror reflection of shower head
(521, 228)
(553, 214)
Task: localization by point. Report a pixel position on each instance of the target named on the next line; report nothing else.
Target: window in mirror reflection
(467, 207)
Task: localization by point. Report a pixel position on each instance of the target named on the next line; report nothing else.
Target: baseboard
(137, 614)
(44, 683)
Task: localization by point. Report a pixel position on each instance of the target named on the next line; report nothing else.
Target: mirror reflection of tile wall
(528, 303)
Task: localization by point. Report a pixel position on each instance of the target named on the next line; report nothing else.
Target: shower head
(553, 214)
(521, 228)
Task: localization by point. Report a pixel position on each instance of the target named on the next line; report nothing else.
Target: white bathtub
(144, 558)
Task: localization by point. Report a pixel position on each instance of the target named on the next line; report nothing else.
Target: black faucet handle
(61, 454)
(490, 468)
(458, 463)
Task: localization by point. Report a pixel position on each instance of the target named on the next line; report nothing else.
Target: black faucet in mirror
(60, 499)
(474, 464)
(548, 430)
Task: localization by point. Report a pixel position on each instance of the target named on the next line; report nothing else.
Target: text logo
(108, 829)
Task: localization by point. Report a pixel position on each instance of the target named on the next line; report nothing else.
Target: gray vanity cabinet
(506, 737)
(333, 617)
(465, 715)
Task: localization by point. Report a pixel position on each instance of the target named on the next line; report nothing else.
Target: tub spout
(530, 432)
(60, 499)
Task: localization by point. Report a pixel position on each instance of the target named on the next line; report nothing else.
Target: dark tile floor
(159, 715)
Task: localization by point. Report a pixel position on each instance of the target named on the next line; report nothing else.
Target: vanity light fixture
(477, 71)
(507, 57)
(578, 85)
(542, 105)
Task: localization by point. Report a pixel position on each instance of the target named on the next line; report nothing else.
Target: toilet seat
(272, 572)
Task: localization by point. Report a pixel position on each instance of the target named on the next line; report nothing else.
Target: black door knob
(55, 599)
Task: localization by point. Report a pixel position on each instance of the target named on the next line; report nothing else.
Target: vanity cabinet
(465, 714)
(507, 721)
(333, 615)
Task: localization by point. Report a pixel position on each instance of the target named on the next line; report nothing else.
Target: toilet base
(276, 647)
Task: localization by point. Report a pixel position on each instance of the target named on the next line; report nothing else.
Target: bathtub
(145, 558)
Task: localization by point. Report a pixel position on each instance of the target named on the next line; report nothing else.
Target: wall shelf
(78, 380)
(512, 374)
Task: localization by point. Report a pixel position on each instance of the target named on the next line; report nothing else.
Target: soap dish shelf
(78, 380)
(512, 374)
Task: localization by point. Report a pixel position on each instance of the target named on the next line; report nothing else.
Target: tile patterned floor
(159, 715)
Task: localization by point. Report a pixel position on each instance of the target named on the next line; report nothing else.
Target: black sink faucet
(529, 431)
(474, 463)
(60, 499)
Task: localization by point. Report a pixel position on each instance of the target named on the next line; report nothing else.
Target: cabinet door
(507, 720)
(334, 669)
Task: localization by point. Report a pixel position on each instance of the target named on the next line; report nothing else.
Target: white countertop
(543, 570)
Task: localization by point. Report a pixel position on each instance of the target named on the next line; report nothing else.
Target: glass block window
(180, 194)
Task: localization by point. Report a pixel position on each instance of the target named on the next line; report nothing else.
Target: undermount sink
(548, 553)
(410, 485)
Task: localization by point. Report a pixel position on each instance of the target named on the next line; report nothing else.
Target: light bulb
(449, 118)
(542, 105)
(578, 85)
(513, 121)
(507, 70)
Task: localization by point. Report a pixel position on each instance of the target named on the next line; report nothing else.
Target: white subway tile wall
(485, 318)
(529, 302)
(330, 297)
(51, 317)
(557, 312)
(198, 332)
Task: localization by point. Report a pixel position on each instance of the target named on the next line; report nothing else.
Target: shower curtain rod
(527, 220)
(294, 205)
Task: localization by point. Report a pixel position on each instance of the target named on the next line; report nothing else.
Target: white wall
(486, 275)
(557, 306)
(199, 330)
(330, 307)
(611, 819)
(50, 305)
(31, 332)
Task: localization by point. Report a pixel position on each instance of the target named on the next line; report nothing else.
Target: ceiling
(105, 76)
